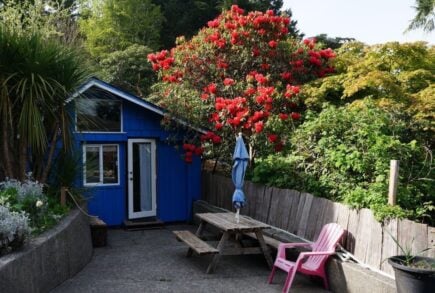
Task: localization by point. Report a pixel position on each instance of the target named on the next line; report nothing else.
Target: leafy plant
(407, 256)
(14, 229)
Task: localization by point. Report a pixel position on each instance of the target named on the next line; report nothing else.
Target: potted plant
(413, 273)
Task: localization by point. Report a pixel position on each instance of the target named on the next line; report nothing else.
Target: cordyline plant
(241, 74)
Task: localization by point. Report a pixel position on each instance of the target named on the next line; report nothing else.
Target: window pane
(110, 164)
(92, 164)
(98, 110)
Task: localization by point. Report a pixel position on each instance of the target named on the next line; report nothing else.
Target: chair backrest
(327, 241)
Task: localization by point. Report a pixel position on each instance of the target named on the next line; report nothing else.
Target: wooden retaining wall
(304, 215)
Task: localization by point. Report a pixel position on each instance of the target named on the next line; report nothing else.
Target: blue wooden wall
(178, 183)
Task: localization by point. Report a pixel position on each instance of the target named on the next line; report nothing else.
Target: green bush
(343, 154)
(43, 212)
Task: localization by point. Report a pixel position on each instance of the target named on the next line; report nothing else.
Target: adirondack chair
(309, 263)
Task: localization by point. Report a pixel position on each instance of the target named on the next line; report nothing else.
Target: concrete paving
(154, 261)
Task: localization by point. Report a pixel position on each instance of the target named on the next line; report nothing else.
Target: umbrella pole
(238, 216)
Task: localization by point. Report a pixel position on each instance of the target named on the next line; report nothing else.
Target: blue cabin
(130, 170)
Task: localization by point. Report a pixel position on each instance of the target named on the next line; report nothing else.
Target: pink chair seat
(310, 263)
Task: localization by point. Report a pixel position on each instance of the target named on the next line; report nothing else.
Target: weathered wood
(268, 240)
(352, 229)
(392, 187)
(63, 196)
(305, 212)
(220, 249)
(196, 244)
(431, 242)
(329, 215)
(412, 236)
(241, 250)
(315, 224)
(280, 204)
(292, 224)
(343, 221)
(389, 247)
(262, 204)
(227, 222)
(373, 243)
(264, 247)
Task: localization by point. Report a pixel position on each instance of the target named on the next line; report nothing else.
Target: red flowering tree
(242, 73)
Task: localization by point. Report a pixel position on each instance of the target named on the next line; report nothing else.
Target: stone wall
(49, 259)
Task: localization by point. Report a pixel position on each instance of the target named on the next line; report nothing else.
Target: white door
(141, 178)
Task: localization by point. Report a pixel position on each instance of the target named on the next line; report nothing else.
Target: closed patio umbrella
(240, 159)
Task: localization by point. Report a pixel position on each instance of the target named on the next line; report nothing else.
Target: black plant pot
(413, 280)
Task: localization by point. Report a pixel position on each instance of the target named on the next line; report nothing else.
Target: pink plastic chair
(309, 263)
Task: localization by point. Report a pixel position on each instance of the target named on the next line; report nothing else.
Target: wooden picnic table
(231, 233)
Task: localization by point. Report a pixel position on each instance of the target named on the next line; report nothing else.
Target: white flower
(39, 203)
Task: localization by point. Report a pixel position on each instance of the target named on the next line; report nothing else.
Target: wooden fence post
(63, 196)
(394, 176)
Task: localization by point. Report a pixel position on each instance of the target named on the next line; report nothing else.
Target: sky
(368, 21)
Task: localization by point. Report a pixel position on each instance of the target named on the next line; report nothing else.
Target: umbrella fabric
(240, 158)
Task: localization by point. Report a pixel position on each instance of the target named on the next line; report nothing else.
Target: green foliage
(43, 212)
(343, 154)
(127, 70)
(425, 16)
(51, 19)
(37, 74)
(397, 76)
(111, 25)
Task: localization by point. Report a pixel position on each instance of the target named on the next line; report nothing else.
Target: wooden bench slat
(199, 246)
(269, 240)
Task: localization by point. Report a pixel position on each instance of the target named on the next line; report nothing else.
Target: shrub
(343, 154)
(14, 229)
(28, 196)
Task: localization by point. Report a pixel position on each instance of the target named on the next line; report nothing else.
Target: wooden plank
(262, 204)
(389, 247)
(280, 205)
(412, 236)
(343, 220)
(199, 246)
(431, 241)
(323, 209)
(305, 212)
(315, 213)
(362, 235)
(373, 243)
(227, 222)
(352, 230)
(269, 240)
(251, 198)
(292, 224)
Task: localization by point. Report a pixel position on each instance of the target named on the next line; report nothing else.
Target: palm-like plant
(36, 75)
(425, 16)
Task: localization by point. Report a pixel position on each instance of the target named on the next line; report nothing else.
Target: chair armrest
(282, 247)
(303, 255)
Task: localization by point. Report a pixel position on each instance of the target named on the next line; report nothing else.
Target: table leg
(264, 247)
(216, 257)
(199, 234)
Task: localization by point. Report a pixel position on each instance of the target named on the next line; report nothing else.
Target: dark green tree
(425, 17)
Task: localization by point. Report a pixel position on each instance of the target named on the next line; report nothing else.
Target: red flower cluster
(190, 150)
(161, 60)
(244, 73)
(211, 137)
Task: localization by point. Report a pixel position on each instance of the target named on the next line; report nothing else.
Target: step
(196, 244)
(143, 224)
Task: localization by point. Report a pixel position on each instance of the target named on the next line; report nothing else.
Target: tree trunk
(22, 158)
(6, 151)
(47, 168)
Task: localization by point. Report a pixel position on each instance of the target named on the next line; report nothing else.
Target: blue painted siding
(178, 184)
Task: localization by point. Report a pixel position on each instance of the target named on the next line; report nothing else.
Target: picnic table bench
(231, 230)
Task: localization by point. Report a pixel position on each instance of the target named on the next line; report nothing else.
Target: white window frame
(100, 165)
(121, 117)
